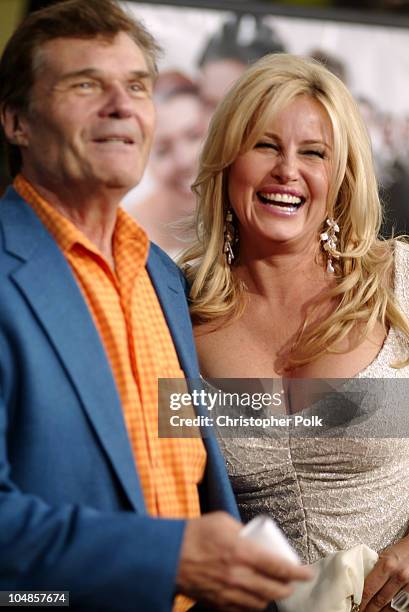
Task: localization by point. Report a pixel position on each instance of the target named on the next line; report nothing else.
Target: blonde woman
(288, 278)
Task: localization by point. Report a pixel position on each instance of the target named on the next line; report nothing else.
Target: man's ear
(15, 127)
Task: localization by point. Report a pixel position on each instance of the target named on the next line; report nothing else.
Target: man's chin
(121, 181)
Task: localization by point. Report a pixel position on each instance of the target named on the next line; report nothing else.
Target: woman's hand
(389, 576)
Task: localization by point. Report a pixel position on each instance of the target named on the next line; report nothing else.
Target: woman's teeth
(285, 201)
(279, 198)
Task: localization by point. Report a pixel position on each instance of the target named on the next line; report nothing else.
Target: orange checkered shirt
(140, 349)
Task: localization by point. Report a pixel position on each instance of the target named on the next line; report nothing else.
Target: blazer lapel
(216, 491)
(169, 289)
(47, 282)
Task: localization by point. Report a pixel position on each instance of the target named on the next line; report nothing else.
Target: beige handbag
(337, 584)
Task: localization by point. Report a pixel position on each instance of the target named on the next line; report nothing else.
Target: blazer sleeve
(115, 561)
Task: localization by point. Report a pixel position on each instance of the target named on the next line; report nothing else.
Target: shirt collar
(127, 231)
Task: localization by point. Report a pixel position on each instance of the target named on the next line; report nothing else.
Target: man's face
(91, 117)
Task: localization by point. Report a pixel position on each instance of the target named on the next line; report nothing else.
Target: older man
(91, 501)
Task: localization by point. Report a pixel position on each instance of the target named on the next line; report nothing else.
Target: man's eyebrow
(96, 73)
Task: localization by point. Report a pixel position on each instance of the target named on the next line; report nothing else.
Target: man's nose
(118, 103)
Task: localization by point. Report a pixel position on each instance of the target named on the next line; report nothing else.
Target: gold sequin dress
(329, 494)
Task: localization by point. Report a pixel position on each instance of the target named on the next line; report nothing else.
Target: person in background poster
(180, 130)
(388, 148)
(238, 43)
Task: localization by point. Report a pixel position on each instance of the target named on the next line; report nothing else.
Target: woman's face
(179, 134)
(279, 188)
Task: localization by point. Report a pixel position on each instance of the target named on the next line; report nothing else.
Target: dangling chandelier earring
(230, 238)
(329, 240)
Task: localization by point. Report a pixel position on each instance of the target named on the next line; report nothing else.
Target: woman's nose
(285, 168)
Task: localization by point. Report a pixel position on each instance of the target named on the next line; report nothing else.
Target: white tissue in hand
(265, 532)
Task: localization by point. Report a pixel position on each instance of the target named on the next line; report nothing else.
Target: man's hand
(228, 572)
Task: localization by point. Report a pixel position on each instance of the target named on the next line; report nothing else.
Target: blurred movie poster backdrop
(206, 49)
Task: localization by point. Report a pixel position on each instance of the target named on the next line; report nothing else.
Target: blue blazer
(72, 514)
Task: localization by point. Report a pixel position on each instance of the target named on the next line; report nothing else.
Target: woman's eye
(161, 151)
(315, 153)
(267, 145)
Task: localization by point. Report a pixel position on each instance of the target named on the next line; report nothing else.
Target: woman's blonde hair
(365, 263)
